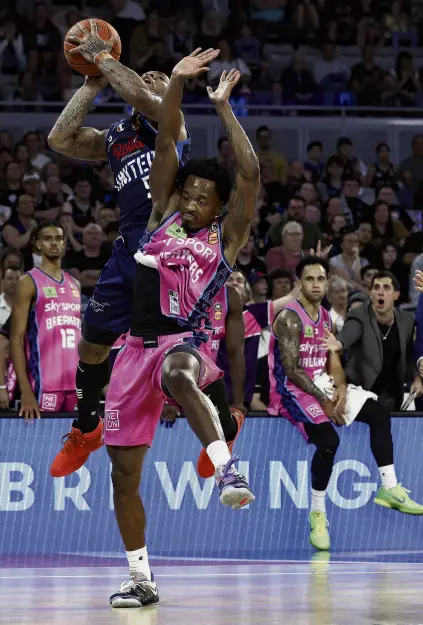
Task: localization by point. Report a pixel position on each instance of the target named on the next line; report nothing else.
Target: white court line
(252, 574)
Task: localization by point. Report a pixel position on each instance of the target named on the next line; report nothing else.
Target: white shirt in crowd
(5, 310)
(322, 69)
(337, 320)
(132, 11)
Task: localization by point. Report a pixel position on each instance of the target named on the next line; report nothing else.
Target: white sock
(388, 476)
(138, 562)
(218, 453)
(318, 500)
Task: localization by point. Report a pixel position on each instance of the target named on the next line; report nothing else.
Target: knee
(125, 480)
(177, 381)
(92, 354)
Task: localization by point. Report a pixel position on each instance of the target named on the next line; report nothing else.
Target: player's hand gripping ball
(85, 40)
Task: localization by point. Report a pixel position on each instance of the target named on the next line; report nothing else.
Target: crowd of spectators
(291, 52)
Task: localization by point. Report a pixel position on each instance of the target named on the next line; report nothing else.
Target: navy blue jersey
(130, 151)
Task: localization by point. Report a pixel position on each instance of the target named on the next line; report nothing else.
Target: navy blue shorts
(108, 314)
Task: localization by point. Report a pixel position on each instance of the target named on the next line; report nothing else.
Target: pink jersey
(192, 269)
(313, 357)
(53, 333)
(218, 313)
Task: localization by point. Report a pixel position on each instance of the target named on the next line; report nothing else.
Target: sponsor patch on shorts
(49, 402)
(315, 411)
(112, 420)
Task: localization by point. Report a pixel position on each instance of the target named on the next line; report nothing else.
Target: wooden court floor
(313, 593)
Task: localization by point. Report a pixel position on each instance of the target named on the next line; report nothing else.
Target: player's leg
(184, 371)
(231, 420)
(326, 441)
(391, 494)
(141, 589)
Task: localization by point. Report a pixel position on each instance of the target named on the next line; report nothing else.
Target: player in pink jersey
(184, 260)
(309, 388)
(46, 328)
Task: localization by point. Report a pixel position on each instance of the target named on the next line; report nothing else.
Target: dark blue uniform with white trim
(130, 148)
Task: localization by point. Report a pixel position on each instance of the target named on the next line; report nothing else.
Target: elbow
(54, 141)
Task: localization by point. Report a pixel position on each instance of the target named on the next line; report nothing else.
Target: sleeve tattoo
(288, 330)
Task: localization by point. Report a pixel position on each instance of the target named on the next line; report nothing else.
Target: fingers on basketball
(76, 36)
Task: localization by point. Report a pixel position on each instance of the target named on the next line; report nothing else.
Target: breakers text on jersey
(199, 247)
(134, 170)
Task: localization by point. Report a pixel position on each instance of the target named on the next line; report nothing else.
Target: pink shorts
(60, 401)
(135, 397)
(301, 408)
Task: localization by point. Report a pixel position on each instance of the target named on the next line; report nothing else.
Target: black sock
(218, 395)
(379, 421)
(90, 381)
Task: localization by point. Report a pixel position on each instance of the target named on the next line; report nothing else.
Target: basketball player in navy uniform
(129, 146)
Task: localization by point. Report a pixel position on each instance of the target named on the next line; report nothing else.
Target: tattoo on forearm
(288, 331)
(246, 159)
(130, 86)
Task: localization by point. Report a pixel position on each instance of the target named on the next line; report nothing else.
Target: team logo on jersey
(120, 127)
(308, 332)
(174, 306)
(218, 313)
(74, 290)
(50, 291)
(123, 149)
(213, 235)
(326, 325)
(176, 232)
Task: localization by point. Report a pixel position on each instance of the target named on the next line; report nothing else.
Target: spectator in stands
(21, 155)
(407, 78)
(367, 274)
(179, 39)
(288, 255)
(265, 154)
(17, 231)
(87, 264)
(37, 156)
(10, 279)
(105, 216)
(330, 73)
(311, 232)
(42, 35)
(337, 296)
(104, 186)
(31, 185)
(396, 22)
(128, 10)
(353, 206)
(412, 167)
(226, 155)
(296, 177)
(12, 52)
(225, 62)
(337, 223)
(298, 84)
(309, 192)
(211, 31)
(390, 262)
(344, 151)
(158, 58)
(84, 207)
(314, 163)
(12, 259)
(247, 260)
(383, 173)
(248, 47)
(259, 287)
(349, 263)
(364, 236)
(11, 183)
(331, 183)
(312, 214)
(307, 22)
(388, 195)
(367, 78)
(144, 36)
(384, 227)
(281, 283)
(331, 209)
(6, 140)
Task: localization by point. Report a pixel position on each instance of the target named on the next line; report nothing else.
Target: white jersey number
(68, 338)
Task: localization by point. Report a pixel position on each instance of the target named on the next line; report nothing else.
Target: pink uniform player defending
(286, 399)
(54, 329)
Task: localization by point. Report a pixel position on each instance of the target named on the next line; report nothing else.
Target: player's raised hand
(224, 89)
(29, 407)
(331, 342)
(90, 43)
(195, 64)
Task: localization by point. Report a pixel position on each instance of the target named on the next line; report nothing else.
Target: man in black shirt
(87, 264)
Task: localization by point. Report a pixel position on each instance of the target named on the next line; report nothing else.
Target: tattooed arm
(287, 328)
(166, 163)
(67, 137)
(242, 202)
(127, 83)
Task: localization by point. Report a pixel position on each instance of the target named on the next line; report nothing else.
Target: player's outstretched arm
(68, 137)
(166, 163)
(234, 335)
(287, 328)
(242, 203)
(25, 294)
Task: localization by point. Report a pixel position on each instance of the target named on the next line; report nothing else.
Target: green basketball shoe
(319, 535)
(397, 498)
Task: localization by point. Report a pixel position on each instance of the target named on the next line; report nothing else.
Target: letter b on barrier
(20, 485)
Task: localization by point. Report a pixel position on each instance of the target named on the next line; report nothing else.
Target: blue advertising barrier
(74, 515)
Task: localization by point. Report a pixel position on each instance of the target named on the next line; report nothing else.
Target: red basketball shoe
(205, 467)
(76, 449)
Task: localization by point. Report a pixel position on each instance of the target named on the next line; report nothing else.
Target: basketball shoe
(137, 592)
(205, 466)
(397, 499)
(76, 449)
(319, 535)
(234, 489)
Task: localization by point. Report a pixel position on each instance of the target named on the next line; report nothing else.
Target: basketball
(77, 61)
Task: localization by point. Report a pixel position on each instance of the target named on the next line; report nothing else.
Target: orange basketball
(77, 61)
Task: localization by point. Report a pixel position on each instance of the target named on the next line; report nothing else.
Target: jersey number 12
(68, 338)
